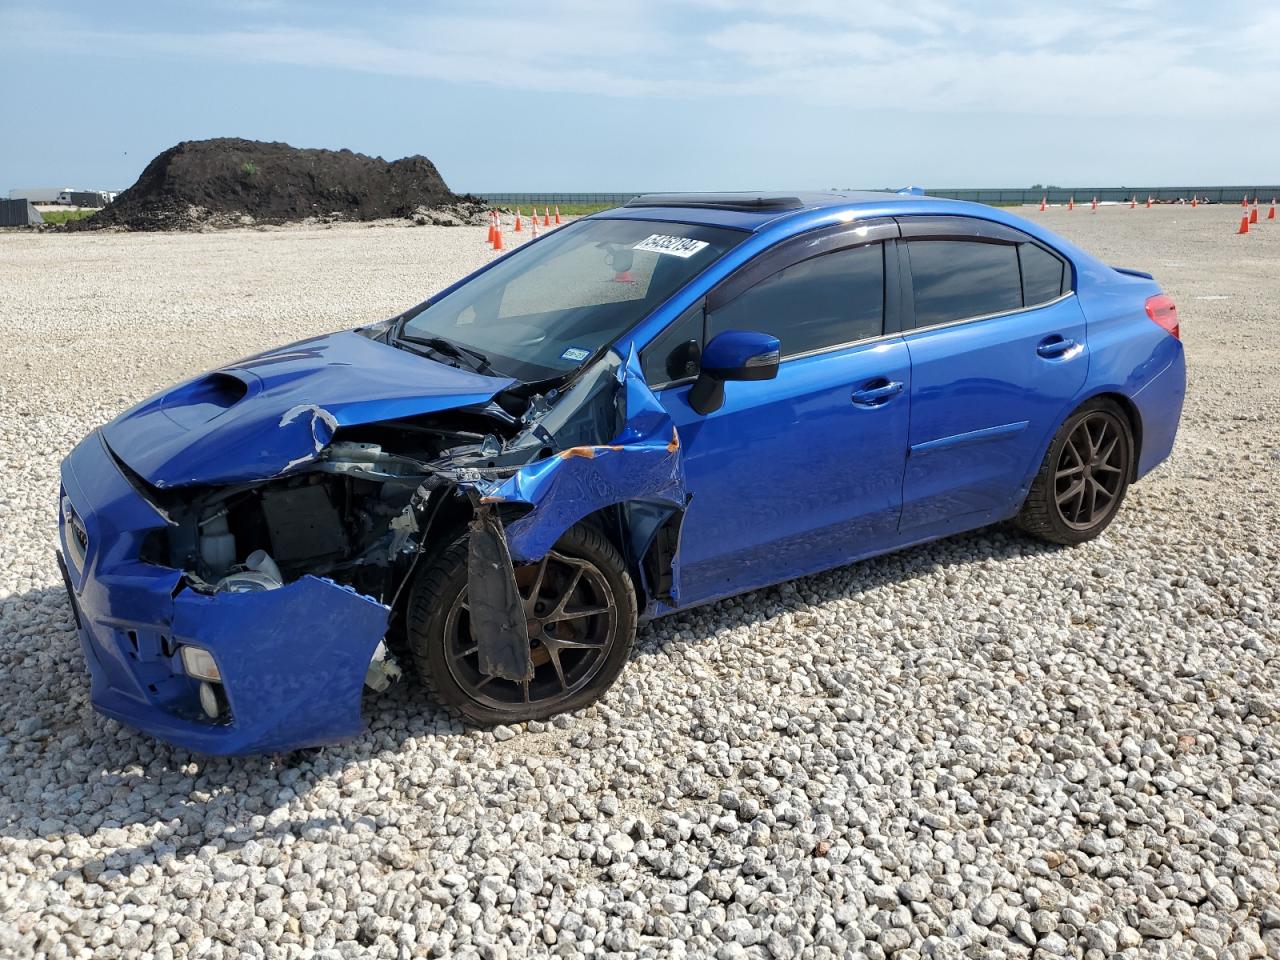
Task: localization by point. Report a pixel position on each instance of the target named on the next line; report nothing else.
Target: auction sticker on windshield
(682, 247)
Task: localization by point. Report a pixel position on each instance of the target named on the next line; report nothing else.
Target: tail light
(1162, 310)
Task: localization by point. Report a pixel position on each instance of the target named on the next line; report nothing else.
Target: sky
(651, 95)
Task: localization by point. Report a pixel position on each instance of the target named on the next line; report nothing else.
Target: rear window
(958, 279)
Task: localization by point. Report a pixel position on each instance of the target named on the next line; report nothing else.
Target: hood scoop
(204, 398)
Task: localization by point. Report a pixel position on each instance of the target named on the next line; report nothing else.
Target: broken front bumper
(292, 660)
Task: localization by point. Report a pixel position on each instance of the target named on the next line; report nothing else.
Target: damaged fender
(642, 463)
(641, 467)
(581, 480)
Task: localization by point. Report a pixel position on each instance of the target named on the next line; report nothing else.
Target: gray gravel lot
(983, 747)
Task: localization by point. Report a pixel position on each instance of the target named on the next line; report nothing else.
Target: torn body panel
(282, 693)
(292, 660)
(494, 602)
(583, 480)
(641, 463)
(640, 469)
(654, 530)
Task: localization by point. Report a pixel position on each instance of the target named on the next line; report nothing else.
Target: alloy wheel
(1091, 471)
(571, 617)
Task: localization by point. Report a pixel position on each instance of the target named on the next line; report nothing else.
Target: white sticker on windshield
(575, 354)
(681, 247)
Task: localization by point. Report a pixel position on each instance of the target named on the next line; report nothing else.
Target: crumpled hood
(267, 414)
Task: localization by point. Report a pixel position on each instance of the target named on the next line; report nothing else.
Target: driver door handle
(876, 392)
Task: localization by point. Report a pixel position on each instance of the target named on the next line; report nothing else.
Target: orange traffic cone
(1133, 203)
(1193, 202)
(1271, 212)
(533, 225)
(1042, 199)
(517, 228)
(497, 237)
(546, 216)
(1149, 201)
(1071, 204)
(1244, 224)
(1253, 215)
(557, 216)
(492, 228)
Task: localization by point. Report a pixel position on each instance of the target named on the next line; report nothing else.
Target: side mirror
(733, 355)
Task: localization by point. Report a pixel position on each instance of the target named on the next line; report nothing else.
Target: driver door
(803, 472)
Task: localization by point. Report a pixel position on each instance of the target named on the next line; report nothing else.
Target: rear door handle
(1053, 347)
(876, 392)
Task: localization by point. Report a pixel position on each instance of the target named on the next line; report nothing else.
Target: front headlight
(199, 663)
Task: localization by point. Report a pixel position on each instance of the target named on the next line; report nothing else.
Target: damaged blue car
(654, 407)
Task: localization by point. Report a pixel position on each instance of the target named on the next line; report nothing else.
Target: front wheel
(580, 610)
(1083, 478)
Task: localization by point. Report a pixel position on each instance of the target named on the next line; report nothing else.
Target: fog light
(209, 700)
(199, 663)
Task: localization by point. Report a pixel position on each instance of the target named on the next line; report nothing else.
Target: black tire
(437, 633)
(1058, 508)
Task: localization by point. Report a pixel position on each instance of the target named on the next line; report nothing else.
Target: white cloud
(1033, 57)
(768, 47)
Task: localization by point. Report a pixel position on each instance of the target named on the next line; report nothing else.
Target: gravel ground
(983, 747)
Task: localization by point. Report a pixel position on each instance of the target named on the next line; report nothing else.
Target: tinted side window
(957, 279)
(674, 353)
(823, 302)
(1044, 275)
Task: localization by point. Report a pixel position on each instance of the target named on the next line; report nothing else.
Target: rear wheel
(1083, 478)
(580, 611)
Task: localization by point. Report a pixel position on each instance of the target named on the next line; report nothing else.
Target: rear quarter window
(1044, 274)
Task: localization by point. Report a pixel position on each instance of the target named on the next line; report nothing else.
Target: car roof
(778, 214)
(749, 209)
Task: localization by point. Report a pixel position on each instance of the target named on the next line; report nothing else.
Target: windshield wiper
(480, 363)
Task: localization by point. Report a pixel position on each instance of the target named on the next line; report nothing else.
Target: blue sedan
(674, 401)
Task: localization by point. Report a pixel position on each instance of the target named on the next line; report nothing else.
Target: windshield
(545, 309)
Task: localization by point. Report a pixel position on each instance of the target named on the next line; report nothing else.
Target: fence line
(994, 195)
(1085, 194)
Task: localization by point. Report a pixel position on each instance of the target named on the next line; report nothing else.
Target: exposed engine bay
(377, 497)
(361, 510)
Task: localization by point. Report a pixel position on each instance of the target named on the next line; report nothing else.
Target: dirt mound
(228, 181)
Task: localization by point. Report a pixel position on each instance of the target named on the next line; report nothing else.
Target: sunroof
(747, 202)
